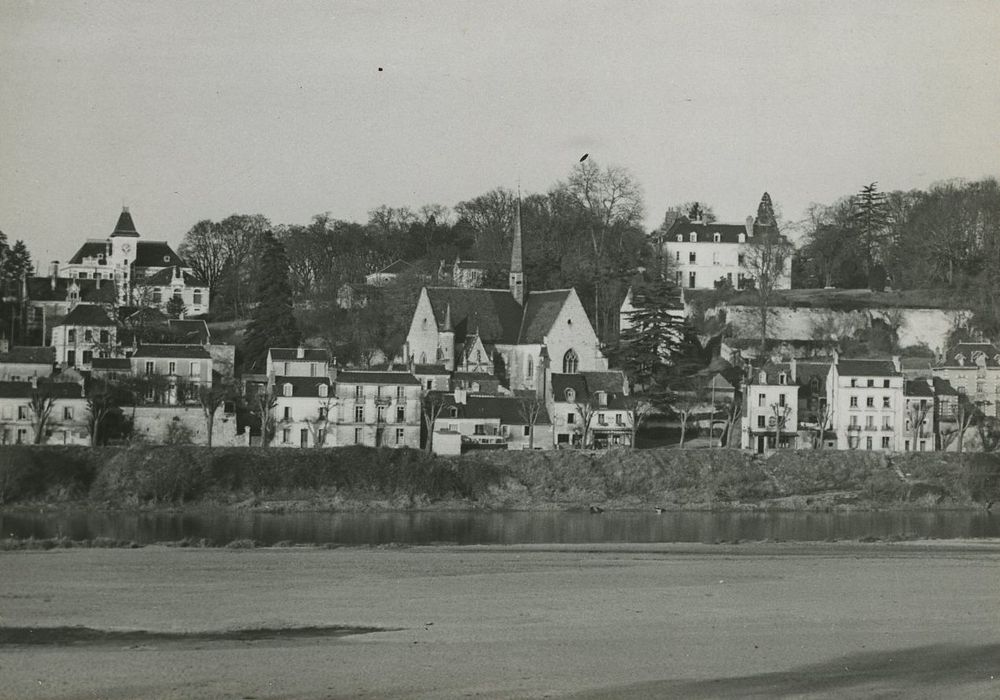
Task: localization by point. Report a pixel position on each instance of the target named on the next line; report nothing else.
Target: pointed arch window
(531, 367)
(570, 362)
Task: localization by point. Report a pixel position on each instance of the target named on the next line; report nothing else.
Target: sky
(196, 110)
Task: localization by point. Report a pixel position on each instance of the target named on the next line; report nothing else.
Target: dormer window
(762, 378)
(782, 378)
(453, 411)
(680, 238)
(742, 238)
(287, 389)
(716, 237)
(693, 237)
(570, 396)
(602, 398)
(323, 390)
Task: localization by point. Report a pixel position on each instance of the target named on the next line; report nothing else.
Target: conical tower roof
(125, 226)
(515, 253)
(446, 324)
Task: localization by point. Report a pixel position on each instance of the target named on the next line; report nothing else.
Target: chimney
(836, 357)
(97, 280)
(54, 269)
(749, 226)
(300, 352)
(795, 374)
(460, 396)
(897, 363)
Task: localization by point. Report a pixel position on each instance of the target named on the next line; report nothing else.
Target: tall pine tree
(653, 335)
(273, 322)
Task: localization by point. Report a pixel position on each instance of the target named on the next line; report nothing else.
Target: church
(518, 335)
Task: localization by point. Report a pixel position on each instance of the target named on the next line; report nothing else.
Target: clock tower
(121, 252)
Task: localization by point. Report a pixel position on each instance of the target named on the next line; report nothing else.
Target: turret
(446, 341)
(516, 265)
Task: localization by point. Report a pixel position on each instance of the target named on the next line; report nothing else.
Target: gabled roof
(125, 226)
(165, 277)
(916, 365)
(493, 311)
(369, 377)
(704, 232)
(190, 330)
(29, 355)
(88, 315)
(506, 409)
(430, 369)
(540, 312)
(115, 364)
(40, 289)
(942, 387)
(918, 387)
(156, 254)
(90, 249)
(967, 351)
(301, 386)
(585, 386)
(185, 351)
(148, 315)
(24, 390)
(291, 355)
(866, 368)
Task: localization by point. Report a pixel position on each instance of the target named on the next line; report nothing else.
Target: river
(468, 528)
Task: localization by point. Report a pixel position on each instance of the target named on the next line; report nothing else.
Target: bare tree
(100, 402)
(779, 414)
(733, 412)
(210, 398)
(432, 403)
(765, 260)
(41, 404)
(916, 413)
(529, 409)
(585, 409)
(265, 401)
(637, 410)
(319, 424)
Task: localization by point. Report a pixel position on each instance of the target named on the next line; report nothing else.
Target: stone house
(973, 369)
(24, 362)
(160, 287)
(67, 419)
(598, 399)
(492, 422)
(305, 412)
(771, 408)
(378, 408)
(297, 362)
(173, 372)
(47, 301)
(867, 403)
(88, 331)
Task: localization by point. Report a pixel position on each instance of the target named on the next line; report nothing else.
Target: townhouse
(867, 404)
(378, 408)
(590, 409)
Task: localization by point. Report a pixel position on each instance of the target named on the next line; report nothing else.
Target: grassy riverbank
(359, 478)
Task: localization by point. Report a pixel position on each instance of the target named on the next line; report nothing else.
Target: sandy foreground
(688, 621)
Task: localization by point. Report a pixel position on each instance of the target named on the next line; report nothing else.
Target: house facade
(66, 423)
(89, 331)
(589, 409)
(973, 369)
(305, 412)
(378, 408)
(867, 403)
(173, 372)
(771, 409)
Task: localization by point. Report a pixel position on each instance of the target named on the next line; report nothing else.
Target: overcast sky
(194, 110)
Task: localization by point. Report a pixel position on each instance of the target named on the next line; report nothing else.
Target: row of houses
(894, 404)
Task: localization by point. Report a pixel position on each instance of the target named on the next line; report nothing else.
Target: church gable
(422, 339)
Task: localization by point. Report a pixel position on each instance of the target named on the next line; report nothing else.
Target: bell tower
(516, 279)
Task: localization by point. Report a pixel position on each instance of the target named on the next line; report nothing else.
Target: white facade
(867, 402)
(770, 411)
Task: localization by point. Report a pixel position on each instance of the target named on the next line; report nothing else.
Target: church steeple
(516, 267)
(125, 226)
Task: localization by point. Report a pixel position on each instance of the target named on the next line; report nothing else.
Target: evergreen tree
(871, 220)
(273, 322)
(648, 346)
(17, 262)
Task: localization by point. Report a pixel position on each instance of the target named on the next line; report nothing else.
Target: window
(868, 443)
(88, 356)
(716, 237)
(571, 418)
(194, 369)
(359, 414)
(323, 390)
(677, 256)
(287, 413)
(782, 378)
(430, 384)
(885, 384)
(854, 382)
(691, 280)
(88, 336)
(286, 435)
(870, 402)
(359, 392)
(980, 388)
(71, 336)
(357, 436)
(742, 239)
(150, 367)
(453, 411)
(869, 422)
(105, 337)
(760, 400)
(854, 421)
(171, 368)
(923, 445)
(570, 362)
(570, 395)
(887, 423)
(312, 369)
(886, 403)
(531, 367)
(285, 372)
(679, 238)
(400, 414)
(741, 258)
(157, 296)
(67, 413)
(323, 412)
(761, 422)
(196, 299)
(692, 257)
(885, 443)
(715, 258)
(400, 436)
(854, 402)
(22, 413)
(380, 414)
(693, 238)
(619, 420)
(479, 356)
(871, 382)
(678, 277)
(781, 399)
(527, 430)
(286, 389)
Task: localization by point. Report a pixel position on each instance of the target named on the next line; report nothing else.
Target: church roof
(493, 311)
(540, 312)
(125, 226)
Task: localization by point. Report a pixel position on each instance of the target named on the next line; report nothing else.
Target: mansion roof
(111, 364)
(970, 354)
(291, 354)
(866, 368)
(57, 390)
(41, 289)
(301, 386)
(507, 409)
(147, 253)
(165, 277)
(88, 315)
(585, 386)
(125, 226)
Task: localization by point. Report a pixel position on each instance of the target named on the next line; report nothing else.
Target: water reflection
(224, 526)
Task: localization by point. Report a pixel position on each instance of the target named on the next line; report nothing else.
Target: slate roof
(493, 311)
(88, 315)
(165, 277)
(156, 254)
(586, 384)
(291, 354)
(369, 377)
(473, 264)
(29, 355)
(40, 289)
(705, 232)
(186, 351)
(866, 368)
(916, 365)
(942, 387)
(430, 369)
(540, 312)
(58, 390)
(967, 350)
(301, 386)
(125, 226)
(507, 409)
(190, 330)
(475, 376)
(918, 387)
(90, 249)
(111, 364)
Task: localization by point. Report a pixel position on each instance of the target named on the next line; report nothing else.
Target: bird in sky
(584, 157)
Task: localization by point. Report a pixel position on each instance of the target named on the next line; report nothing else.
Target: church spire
(516, 266)
(446, 326)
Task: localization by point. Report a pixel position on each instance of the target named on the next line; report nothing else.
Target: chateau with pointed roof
(521, 335)
(144, 272)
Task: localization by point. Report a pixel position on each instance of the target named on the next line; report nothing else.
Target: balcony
(854, 428)
(871, 428)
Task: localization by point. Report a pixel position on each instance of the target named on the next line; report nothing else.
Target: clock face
(126, 247)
